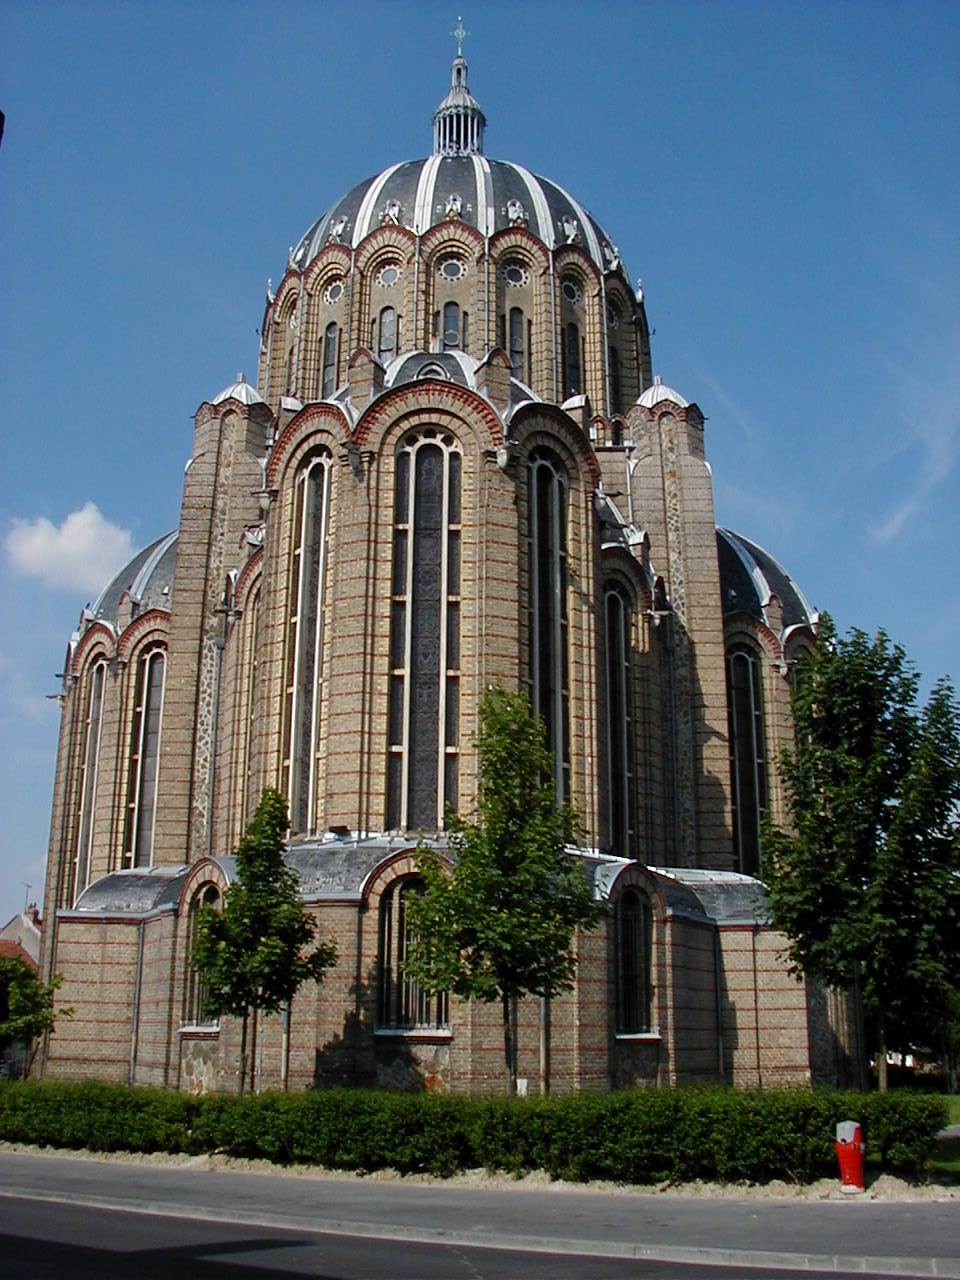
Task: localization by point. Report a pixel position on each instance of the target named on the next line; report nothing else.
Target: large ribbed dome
(459, 181)
(493, 195)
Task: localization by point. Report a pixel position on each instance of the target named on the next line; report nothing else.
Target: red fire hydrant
(850, 1156)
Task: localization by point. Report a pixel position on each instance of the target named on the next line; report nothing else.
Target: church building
(455, 466)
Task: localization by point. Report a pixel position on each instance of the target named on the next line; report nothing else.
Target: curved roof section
(240, 390)
(147, 579)
(660, 391)
(749, 576)
(134, 892)
(420, 192)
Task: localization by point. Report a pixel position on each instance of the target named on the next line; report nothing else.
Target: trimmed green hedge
(648, 1135)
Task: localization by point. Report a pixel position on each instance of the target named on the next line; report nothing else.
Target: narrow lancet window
(304, 651)
(88, 778)
(330, 344)
(548, 608)
(632, 943)
(144, 760)
(621, 796)
(401, 1003)
(748, 768)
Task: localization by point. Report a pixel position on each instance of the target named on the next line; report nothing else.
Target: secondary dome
(458, 181)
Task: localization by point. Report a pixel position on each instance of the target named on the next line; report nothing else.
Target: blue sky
(785, 178)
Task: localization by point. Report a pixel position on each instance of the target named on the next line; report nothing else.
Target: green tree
(867, 879)
(253, 954)
(26, 1007)
(501, 925)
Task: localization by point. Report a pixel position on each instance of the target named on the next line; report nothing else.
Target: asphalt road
(67, 1217)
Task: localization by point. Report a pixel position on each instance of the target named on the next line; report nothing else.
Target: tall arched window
(196, 988)
(424, 716)
(331, 343)
(88, 777)
(400, 1002)
(547, 568)
(632, 944)
(572, 381)
(304, 648)
(616, 397)
(748, 768)
(387, 334)
(621, 796)
(144, 759)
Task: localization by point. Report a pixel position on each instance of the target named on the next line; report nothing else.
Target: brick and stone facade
(456, 468)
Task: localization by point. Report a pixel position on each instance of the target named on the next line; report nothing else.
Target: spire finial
(459, 34)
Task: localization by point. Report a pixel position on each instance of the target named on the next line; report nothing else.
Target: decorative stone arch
(248, 580)
(573, 260)
(447, 404)
(315, 424)
(331, 261)
(636, 953)
(451, 236)
(521, 243)
(97, 635)
(382, 244)
(154, 625)
(204, 878)
(558, 427)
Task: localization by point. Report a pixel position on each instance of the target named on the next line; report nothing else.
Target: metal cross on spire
(459, 34)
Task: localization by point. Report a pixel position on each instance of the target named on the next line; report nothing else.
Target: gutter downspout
(416, 300)
(553, 326)
(717, 961)
(605, 339)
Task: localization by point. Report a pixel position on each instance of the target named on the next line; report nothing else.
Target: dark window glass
(330, 346)
(197, 989)
(572, 384)
(425, 639)
(613, 356)
(632, 943)
(304, 662)
(144, 758)
(401, 1004)
(451, 326)
(516, 342)
(88, 779)
(548, 616)
(388, 334)
(748, 771)
(620, 734)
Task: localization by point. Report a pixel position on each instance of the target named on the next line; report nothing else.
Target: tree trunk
(254, 1036)
(509, 1047)
(243, 1049)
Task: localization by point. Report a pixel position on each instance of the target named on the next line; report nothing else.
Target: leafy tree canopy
(869, 870)
(501, 925)
(26, 1005)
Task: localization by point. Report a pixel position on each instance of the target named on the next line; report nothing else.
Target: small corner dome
(240, 390)
(749, 576)
(659, 392)
(147, 580)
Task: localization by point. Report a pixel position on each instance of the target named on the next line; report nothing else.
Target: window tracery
(89, 769)
(748, 766)
(144, 759)
(424, 706)
(547, 577)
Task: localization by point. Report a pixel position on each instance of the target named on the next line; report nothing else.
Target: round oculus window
(333, 291)
(571, 290)
(452, 268)
(516, 274)
(388, 275)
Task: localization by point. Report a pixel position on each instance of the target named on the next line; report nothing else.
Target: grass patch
(953, 1107)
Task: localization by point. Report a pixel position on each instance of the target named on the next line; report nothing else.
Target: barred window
(547, 610)
(196, 990)
(303, 669)
(144, 760)
(424, 706)
(89, 768)
(748, 767)
(401, 1004)
(621, 797)
(632, 942)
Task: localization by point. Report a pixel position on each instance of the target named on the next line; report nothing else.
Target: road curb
(946, 1268)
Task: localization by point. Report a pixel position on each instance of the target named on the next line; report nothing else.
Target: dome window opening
(384, 338)
(333, 292)
(389, 275)
(454, 330)
(571, 291)
(452, 268)
(516, 275)
(331, 343)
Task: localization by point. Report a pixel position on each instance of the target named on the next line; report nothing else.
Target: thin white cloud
(81, 554)
(936, 439)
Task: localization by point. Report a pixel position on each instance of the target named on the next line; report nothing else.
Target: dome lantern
(458, 122)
